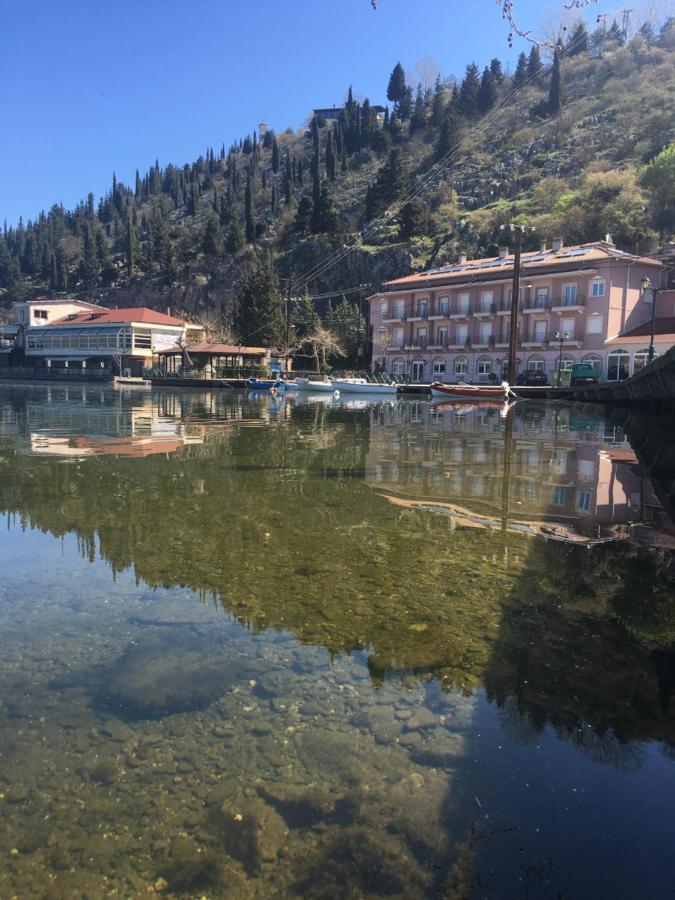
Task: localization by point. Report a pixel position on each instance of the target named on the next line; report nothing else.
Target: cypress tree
(235, 237)
(212, 242)
(288, 182)
(304, 215)
(89, 266)
(273, 200)
(61, 270)
(555, 90)
(275, 156)
(437, 104)
(330, 156)
(316, 202)
(396, 87)
(418, 118)
(405, 107)
(248, 208)
(54, 274)
(130, 248)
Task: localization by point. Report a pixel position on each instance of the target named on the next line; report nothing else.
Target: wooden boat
(362, 386)
(264, 384)
(471, 392)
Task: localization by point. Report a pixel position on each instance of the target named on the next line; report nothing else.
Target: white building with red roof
(119, 341)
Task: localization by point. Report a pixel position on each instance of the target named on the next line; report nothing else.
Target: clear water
(268, 647)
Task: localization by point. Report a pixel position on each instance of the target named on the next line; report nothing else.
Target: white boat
(362, 386)
(305, 384)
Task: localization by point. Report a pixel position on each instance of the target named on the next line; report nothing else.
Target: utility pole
(517, 231)
(287, 318)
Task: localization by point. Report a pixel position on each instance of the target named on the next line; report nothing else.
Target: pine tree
(62, 278)
(418, 119)
(496, 69)
(388, 185)
(54, 274)
(304, 316)
(212, 242)
(349, 326)
(579, 40)
(258, 308)
(555, 90)
(448, 136)
(487, 93)
(468, 93)
(534, 62)
(396, 87)
(275, 156)
(520, 74)
(89, 266)
(405, 107)
(248, 209)
(438, 104)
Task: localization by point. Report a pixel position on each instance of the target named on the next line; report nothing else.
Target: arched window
(461, 365)
(618, 365)
(439, 366)
(594, 360)
(536, 364)
(484, 365)
(418, 370)
(566, 362)
(640, 360)
(398, 367)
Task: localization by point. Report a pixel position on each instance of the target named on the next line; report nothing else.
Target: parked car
(584, 373)
(532, 377)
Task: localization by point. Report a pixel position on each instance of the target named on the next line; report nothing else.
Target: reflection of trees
(277, 524)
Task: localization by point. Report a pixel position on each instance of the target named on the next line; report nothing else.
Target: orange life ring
(273, 390)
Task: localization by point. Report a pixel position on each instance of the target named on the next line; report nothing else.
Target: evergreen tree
(331, 167)
(248, 210)
(520, 74)
(89, 266)
(413, 219)
(438, 104)
(62, 278)
(405, 107)
(54, 274)
(468, 93)
(303, 215)
(487, 94)
(304, 316)
(418, 119)
(579, 41)
(288, 182)
(448, 136)
(129, 250)
(534, 62)
(212, 242)
(316, 202)
(328, 220)
(235, 237)
(496, 69)
(273, 200)
(349, 326)
(388, 186)
(275, 156)
(555, 90)
(257, 317)
(397, 86)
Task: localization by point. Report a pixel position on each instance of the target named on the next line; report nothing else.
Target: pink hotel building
(451, 323)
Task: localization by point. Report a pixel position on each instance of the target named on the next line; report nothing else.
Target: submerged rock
(160, 677)
(248, 829)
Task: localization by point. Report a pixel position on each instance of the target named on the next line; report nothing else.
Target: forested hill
(578, 146)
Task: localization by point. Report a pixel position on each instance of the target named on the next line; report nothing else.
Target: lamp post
(648, 286)
(561, 337)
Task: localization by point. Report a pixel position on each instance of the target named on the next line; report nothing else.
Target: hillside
(594, 156)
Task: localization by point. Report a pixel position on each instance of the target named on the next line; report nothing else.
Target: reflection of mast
(506, 467)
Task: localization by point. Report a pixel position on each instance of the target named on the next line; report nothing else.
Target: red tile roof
(141, 314)
(664, 326)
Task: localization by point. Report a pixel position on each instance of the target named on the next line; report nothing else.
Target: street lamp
(561, 337)
(648, 286)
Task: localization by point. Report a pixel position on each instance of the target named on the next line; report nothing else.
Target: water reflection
(432, 600)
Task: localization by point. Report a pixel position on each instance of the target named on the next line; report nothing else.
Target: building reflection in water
(560, 473)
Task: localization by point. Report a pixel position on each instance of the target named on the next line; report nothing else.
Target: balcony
(395, 318)
(442, 313)
(565, 305)
(460, 314)
(536, 341)
(394, 348)
(533, 305)
(486, 313)
(419, 343)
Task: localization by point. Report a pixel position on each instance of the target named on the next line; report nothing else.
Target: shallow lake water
(258, 646)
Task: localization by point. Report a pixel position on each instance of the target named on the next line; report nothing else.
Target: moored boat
(322, 386)
(264, 384)
(362, 386)
(472, 392)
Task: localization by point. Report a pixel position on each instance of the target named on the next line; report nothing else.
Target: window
(541, 298)
(400, 309)
(484, 365)
(41, 314)
(422, 308)
(398, 337)
(532, 490)
(462, 333)
(143, 339)
(594, 325)
(462, 303)
(567, 328)
(384, 308)
(486, 299)
(594, 360)
(536, 364)
(559, 495)
(421, 337)
(485, 332)
(566, 363)
(640, 360)
(439, 367)
(584, 501)
(398, 367)
(618, 365)
(442, 336)
(569, 294)
(540, 331)
(382, 335)
(598, 287)
(444, 306)
(461, 365)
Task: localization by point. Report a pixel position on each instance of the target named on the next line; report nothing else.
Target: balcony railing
(535, 304)
(565, 302)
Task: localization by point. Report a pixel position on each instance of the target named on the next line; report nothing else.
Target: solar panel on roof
(537, 258)
(581, 252)
(494, 262)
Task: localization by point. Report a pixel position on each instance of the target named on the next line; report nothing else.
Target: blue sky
(88, 88)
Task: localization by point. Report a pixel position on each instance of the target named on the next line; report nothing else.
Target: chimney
(542, 248)
(503, 252)
(168, 310)
(557, 245)
(462, 258)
